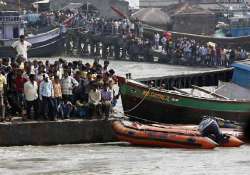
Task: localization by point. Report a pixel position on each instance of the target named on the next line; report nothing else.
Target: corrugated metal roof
(152, 16)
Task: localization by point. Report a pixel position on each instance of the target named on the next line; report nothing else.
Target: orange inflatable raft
(135, 133)
(234, 136)
(167, 136)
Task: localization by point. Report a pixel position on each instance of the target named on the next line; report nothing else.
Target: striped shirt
(68, 84)
(106, 95)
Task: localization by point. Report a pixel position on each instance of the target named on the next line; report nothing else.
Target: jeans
(48, 107)
(68, 98)
(82, 112)
(65, 110)
(20, 99)
(2, 105)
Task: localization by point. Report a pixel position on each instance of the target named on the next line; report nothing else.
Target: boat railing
(174, 92)
(10, 19)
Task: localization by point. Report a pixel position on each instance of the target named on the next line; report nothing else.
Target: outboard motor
(247, 131)
(210, 128)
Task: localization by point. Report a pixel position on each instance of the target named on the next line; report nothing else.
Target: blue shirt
(46, 89)
(106, 95)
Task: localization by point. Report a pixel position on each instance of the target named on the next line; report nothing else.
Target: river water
(121, 158)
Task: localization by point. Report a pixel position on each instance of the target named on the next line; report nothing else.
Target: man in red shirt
(19, 82)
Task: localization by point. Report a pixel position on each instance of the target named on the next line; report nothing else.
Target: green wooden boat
(170, 106)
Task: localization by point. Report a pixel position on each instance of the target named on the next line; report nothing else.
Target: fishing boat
(178, 106)
(43, 44)
(167, 136)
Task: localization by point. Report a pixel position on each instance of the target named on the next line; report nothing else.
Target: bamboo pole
(181, 91)
(208, 92)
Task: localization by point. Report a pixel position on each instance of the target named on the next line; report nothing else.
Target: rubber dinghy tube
(131, 132)
(231, 141)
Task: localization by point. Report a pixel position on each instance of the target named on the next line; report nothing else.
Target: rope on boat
(151, 122)
(138, 104)
(127, 116)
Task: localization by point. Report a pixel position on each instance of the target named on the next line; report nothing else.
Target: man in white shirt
(21, 47)
(94, 101)
(157, 39)
(31, 96)
(46, 93)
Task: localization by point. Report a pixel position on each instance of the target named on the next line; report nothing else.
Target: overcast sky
(133, 3)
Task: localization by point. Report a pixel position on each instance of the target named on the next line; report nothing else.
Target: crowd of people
(42, 90)
(174, 50)
(48, 91)
(191, 52)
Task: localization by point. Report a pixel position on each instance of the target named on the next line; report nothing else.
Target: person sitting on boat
(209, 127)
(22, 47)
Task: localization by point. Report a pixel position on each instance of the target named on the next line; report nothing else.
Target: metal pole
(87, 12)
(19, 5)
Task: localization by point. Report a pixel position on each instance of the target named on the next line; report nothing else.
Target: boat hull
(48, 48)
(167, 107)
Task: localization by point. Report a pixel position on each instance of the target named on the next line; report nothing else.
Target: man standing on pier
(46, 93)
(22, 47)
(31, 96)
(3, 84)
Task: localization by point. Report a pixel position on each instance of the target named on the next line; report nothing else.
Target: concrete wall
(57, 132)
(104, 6)
(194, 23)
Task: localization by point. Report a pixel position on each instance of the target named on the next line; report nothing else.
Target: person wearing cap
(31, 96)
(21, 47)
(46, 93)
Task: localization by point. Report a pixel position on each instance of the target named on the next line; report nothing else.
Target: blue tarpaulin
(241, 75)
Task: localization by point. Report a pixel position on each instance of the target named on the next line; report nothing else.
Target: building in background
(164, 3)
(195, 20)
(104, 6)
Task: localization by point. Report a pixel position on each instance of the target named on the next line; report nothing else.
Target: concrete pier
(56, 132)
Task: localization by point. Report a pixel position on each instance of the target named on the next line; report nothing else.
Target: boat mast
(19, 5)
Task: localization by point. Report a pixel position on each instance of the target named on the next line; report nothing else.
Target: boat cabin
(241, 75)
(11, 25)
(239, 26)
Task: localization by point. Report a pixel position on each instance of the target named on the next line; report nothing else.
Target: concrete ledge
(56, 132)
